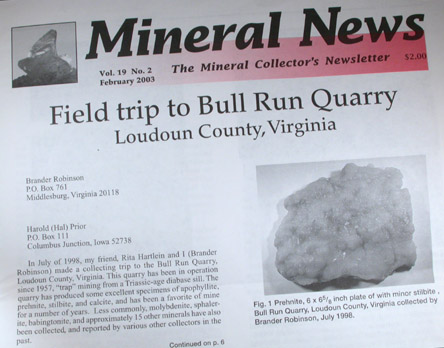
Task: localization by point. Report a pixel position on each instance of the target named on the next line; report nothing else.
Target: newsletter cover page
(233, 174)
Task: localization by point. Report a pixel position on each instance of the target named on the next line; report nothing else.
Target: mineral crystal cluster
(357, 225)
(44, 66)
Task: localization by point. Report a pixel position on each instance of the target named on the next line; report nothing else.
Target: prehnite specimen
(357, 224)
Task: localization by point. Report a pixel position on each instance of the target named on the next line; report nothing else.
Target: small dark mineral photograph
(345, 224)
(44, 55)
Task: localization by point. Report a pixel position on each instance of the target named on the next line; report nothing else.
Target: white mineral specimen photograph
(345, 224)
